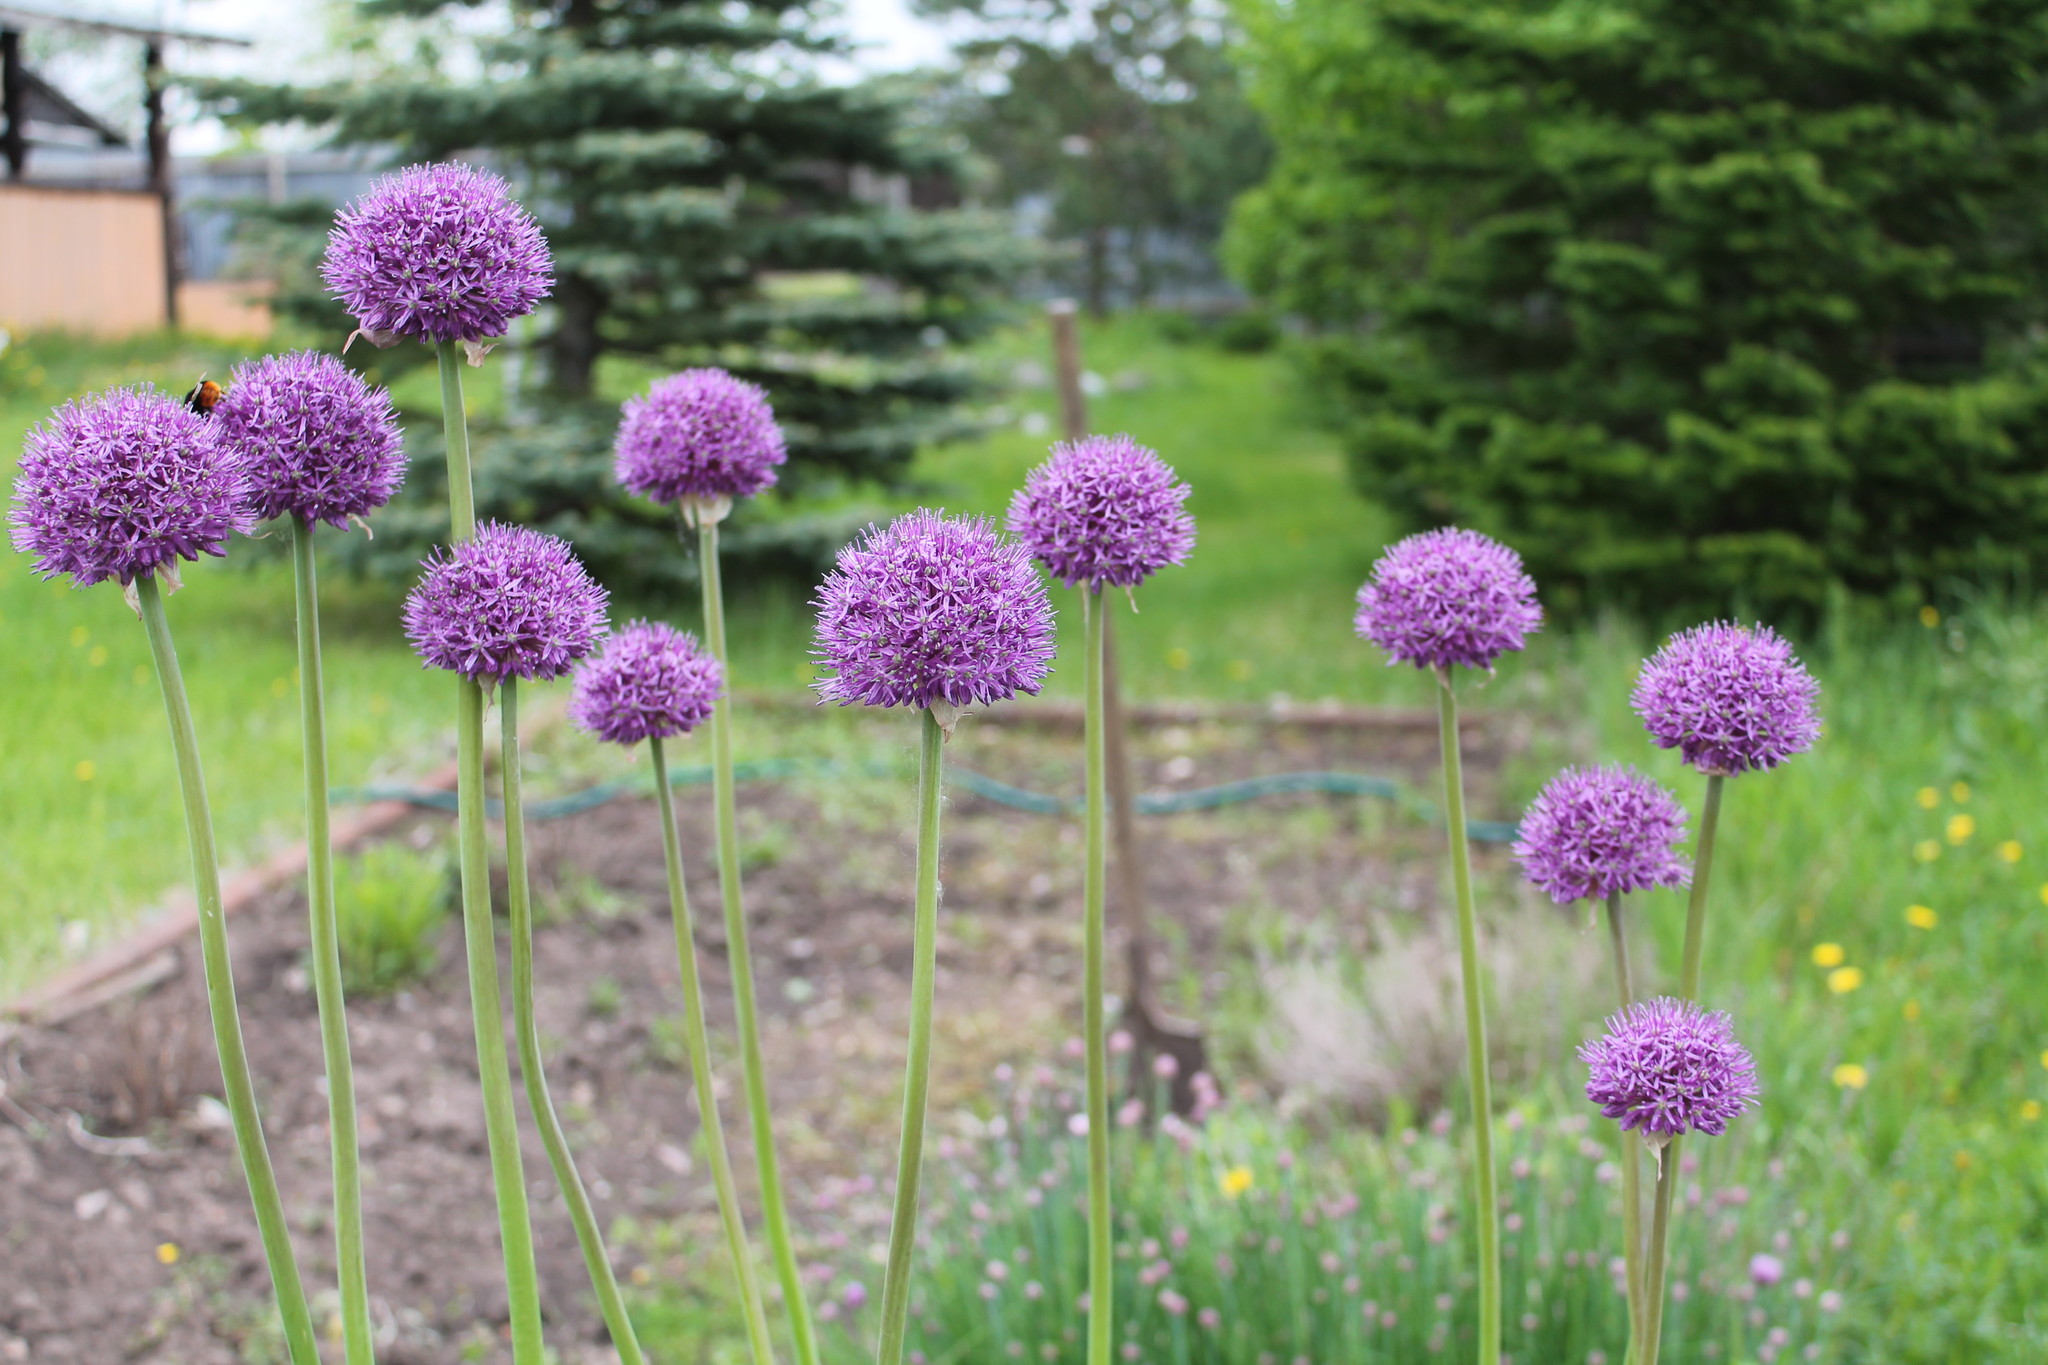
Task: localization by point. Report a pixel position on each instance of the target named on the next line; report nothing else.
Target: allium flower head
(509, 603)
(124, 483)
(1448, 596)
(1730, 698)
(438, 253)
(318, 441)
(649, 681)
(1104, 511)
(1599, 832)
(698, 434)
(1667, 1067)
(933, 609)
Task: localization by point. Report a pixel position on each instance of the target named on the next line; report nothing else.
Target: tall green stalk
(357, 1336)
(1485, 1197)
(526, 1027)
(760, 1121)
(236, 1082)
(1696, 904)
(917, 1067)
(1660, 1229)
(696, 1039)
(1094, 1026)
(479, 935)
(1631, 1149)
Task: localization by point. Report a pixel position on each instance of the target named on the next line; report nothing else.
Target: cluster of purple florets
(123, 484)
(437, 253)
(1104, 511)
(1598, 832)
(933, 609)
(319, 442)
(1730, 698)
(698, 434)
(1448, 596)
(1666, 1067)
(650, 681)
(509, 603)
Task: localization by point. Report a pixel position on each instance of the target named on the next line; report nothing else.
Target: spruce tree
(709, 200)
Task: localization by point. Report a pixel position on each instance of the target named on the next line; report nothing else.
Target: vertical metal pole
(1155, 1032)
(13, 103)
(159, 142)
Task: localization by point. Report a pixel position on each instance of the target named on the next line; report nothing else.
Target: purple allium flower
(1666, 1066)
(1104, 511)
(1448, 596)
(1765, 1269)
(510, 603)
(1731, 699)
(1599, 832)
(439, 253)
(854, 1295)
(319, 442)
(933, 609)
(123, 483)
(698, 434)
(649, 681)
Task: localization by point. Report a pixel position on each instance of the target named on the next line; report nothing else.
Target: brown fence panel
(87, 261)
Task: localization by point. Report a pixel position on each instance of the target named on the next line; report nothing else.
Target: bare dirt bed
(125, 1232)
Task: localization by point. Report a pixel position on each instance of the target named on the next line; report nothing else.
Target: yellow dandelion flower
(79, 635)
(1842, 980)
(85, 770)
(1964, 1161)
(1926, 851)
(1240, 670)
(1851, 1076)
(1930, 617)
(1911, 1011)
(166, 1253)
(1178, 658)
(2030, 1111)
(2010, 851)
(1828, 955)
(2044, 1059)
(1235, 1181)
(1960, 828)
(1928, 798)
(1921, 917)
(640, 1274)
(1959, 792)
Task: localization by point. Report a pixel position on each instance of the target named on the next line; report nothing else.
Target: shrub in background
(393, 901)
(1695, 305)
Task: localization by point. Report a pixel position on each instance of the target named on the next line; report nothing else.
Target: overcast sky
(288, 36)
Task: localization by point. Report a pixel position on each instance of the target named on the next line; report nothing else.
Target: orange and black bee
(204, 395)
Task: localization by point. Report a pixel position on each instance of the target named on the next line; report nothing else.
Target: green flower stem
(1094, 1027)
(1660, 1228)
(236, 1082)
(700, 1069)
(526, 1027)
(1485, 1198)
(917, 1068)
(774, 1210)
(1631, 1150)
(1696, 904)
(479, 935)
(357, 1336)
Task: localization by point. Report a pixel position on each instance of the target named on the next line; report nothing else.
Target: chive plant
(1103, 512)
(940, 614)
(442, 254)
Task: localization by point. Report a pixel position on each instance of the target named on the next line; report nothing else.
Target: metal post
(159, 139)
(13, 103)
(1154, 1032)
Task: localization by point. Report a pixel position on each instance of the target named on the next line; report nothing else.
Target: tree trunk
(1098, 270)
(573, 346)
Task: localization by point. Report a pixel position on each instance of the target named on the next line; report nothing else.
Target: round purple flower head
(1666, 1067)
(1731, 699)
(438, 253)
(319, 442)
(124, 483)
(1765, 1270)
(1103, 511)
(1599, 832)
(1446, 597)
(649, 681)
(933, 609)
(509, 603)
(698, 434)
